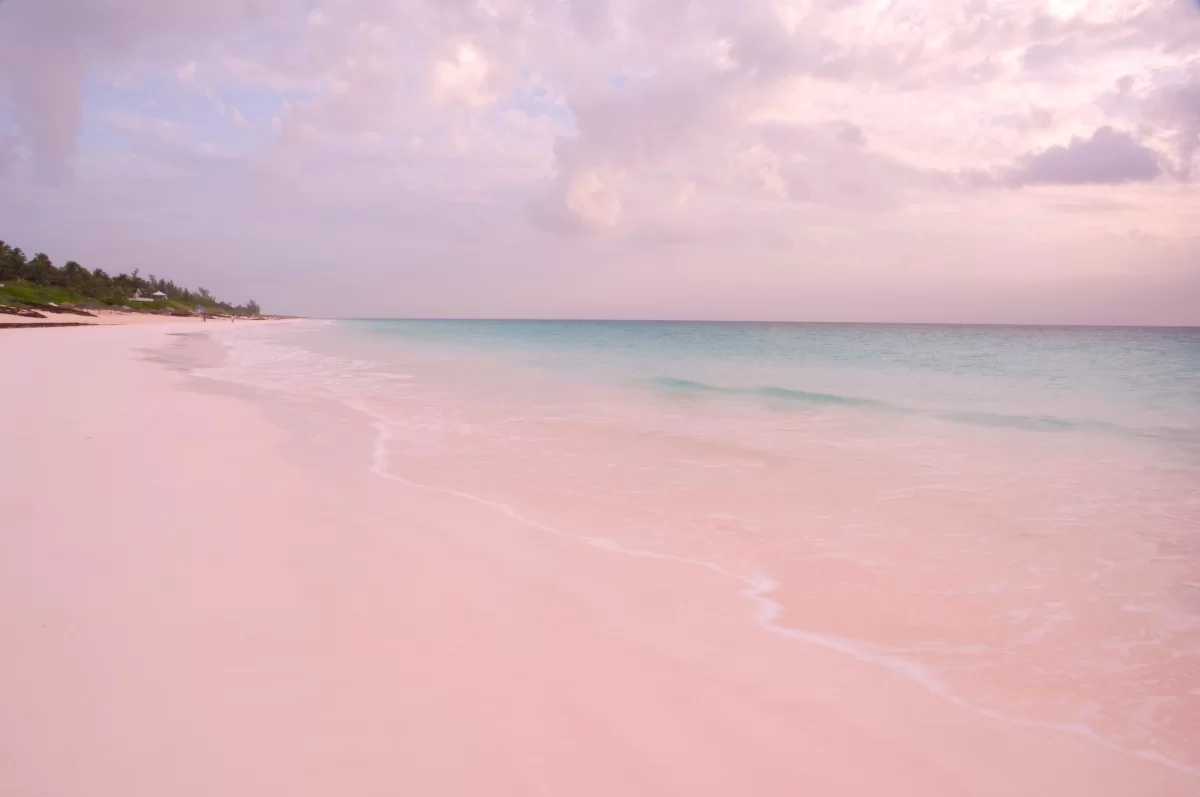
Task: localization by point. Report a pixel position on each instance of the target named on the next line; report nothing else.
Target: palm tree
(75, 275)
(40, 269)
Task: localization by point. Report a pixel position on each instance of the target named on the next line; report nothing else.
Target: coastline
(219, 608)
(103, 318)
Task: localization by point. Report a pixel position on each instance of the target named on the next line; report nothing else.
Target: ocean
(1008, 516)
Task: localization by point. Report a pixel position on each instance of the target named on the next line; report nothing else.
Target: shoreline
(766, 613)
(101, 318)
(33, 323)
(219, 593)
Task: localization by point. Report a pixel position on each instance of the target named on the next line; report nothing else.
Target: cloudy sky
(925, 160)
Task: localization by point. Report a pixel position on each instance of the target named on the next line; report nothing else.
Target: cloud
(830, 164)
(1049, 56)
(1106, 157)
(187, 72)
(45, 94)
(1177, 109)
(592, 19)
(1187, 110)
(140, 125)
(47, 46)
(586, 201)
(464, 77)
(753, 132)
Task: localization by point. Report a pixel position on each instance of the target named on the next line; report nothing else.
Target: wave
(784, 393)
(781, 397)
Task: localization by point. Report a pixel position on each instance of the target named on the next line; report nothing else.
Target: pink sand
(193, 603)
(105, 318)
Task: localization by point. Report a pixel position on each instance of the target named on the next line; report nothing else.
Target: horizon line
(747, 321)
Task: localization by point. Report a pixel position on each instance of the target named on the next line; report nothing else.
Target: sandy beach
(197, 599)
(100, 318)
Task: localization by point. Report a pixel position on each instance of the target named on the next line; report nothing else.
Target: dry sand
(194, 604)
(103, 318)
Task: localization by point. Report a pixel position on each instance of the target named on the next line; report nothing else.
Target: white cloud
(147, 126)
(593, 198)
(463, 77)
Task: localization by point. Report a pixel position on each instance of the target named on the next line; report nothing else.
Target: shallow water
(1008, 516)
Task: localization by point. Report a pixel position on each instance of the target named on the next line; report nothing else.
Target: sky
(989, 161)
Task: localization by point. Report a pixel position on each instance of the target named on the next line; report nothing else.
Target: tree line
(100, 286)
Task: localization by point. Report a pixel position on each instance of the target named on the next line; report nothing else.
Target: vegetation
(37, 281)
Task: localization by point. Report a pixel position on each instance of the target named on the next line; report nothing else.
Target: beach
(97, 318)
(219, 578)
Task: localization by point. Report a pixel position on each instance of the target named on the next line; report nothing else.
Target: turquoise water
(1119, 380)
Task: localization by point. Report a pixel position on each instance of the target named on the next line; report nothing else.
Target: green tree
(39, 270)
(75, 276)
(12, 262)
(98, 284)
